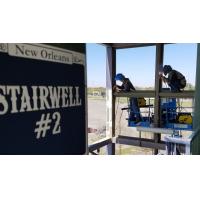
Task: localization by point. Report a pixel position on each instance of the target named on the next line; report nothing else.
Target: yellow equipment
(184, 118)
(141, 102)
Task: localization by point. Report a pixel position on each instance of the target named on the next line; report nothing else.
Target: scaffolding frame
(111, 140)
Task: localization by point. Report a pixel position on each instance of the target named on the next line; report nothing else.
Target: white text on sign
(44, 125)
(35, 98)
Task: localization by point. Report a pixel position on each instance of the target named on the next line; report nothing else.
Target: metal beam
(140, 142)
(137, 93)
(99, 144)
(110, 98)
(196, 140)
(156, 130)
(158, 86)
(143, 142)
(151, 94)
(128, 45)
(131, 45)
(183, 94)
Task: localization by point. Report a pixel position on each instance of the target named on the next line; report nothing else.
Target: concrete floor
(97, 120)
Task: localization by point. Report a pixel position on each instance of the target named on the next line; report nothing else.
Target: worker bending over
(175, 80)
(127, 86)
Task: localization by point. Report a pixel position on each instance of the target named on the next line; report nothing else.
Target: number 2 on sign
(57, 128)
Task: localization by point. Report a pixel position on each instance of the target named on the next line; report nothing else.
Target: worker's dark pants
(134, 110)
(175, 86)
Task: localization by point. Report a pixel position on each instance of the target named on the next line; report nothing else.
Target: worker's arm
(118, 88)
(125, 87)
(164, 79)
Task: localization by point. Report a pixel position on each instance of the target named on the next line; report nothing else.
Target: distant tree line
(189, 86)
(97, 91)
(102, 90)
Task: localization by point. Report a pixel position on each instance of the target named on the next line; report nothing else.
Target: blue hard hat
(167, 69)
(119, 77)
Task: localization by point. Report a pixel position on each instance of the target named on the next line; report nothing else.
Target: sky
(138, 64)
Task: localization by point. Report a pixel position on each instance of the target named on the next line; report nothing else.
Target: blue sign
(42, 100)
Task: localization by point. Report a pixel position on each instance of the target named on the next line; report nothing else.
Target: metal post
(158, 86)
(110, 98)
(196, 124)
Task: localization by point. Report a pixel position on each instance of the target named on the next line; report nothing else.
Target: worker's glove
(116, 89)
(164, 79)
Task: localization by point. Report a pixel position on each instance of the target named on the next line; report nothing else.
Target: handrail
(151, 93)
(99, 144)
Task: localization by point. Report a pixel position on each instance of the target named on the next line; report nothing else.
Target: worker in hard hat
(175, 80)
(127, 86)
